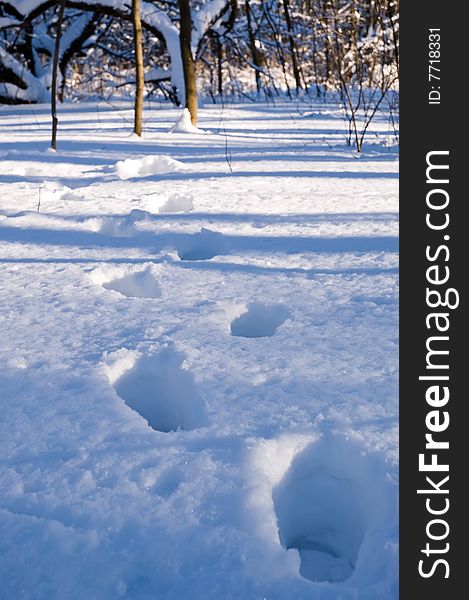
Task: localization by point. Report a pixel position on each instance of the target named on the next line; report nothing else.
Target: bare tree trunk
(219, 66)
(315, 65)
(187, 60)
(254, 51)
(140, 76)
(291, 41)
(55, 67)
(280, 54)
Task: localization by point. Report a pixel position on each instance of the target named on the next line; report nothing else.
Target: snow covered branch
(216, 16)
(17, 84)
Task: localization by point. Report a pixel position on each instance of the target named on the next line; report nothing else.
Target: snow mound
(259, 320)
(162, 392)
(52, 191)
(184, 124)
(153, 164)
(136, 285)
(334, 497)
(177, 203)
(112, 226)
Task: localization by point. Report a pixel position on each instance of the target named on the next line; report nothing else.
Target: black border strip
(432, 127)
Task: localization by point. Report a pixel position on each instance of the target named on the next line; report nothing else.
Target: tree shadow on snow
(203, 245)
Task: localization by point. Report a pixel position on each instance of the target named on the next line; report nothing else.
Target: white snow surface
(199, 365)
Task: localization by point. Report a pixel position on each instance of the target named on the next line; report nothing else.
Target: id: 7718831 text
(434, 54)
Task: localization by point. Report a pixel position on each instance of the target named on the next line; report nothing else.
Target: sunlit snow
(199, 356)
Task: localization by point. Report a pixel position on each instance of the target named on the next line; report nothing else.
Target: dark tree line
(249, 48)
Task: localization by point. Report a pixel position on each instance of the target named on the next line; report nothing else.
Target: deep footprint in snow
(202, 246)
(136, 285)
(260, 320)
(322, 505)
(163, 393)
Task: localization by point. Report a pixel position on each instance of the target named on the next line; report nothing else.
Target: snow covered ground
(199, 357)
